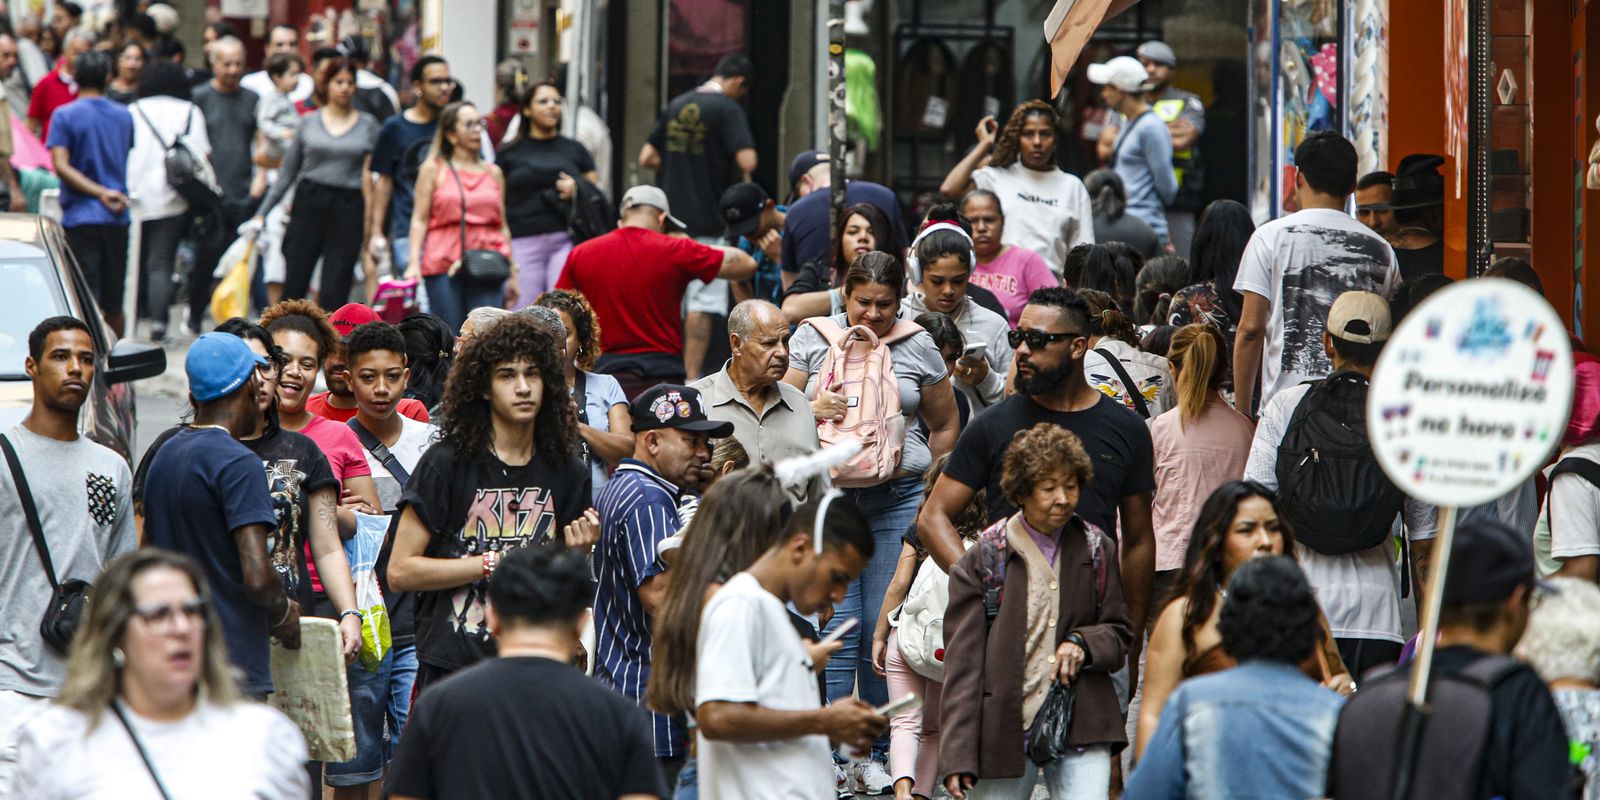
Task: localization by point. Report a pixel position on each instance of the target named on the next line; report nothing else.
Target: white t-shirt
(247, 751)
(415, 438)
(1575, 504)
(1359, 592)
(147, 161)
(749, 653)
(1301, 264)
(1047, 212)
(261, 83)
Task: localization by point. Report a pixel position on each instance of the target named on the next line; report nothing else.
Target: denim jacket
(1260, 730)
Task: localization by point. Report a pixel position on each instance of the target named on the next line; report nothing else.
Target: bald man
(772, 419)
(230, 111)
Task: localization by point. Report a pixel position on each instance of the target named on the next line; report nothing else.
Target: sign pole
(1416, 712)
(836, 119)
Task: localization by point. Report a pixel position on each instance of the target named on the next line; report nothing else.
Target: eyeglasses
(1039, 339)
(164, 618)
(473, 125)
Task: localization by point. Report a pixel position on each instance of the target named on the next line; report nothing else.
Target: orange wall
(1416, 107)
(1550, 160)
(1585, 38)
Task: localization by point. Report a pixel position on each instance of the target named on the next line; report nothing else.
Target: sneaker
(842, 787)
(158, 331)
(871, 778)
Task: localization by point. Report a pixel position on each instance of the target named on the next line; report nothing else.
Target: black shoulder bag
(139, 746)
(379, 451)
(581, 396)
(67, 600)
(487, 267)
(1127, 381)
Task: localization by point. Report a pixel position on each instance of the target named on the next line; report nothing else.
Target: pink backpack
(858, 362)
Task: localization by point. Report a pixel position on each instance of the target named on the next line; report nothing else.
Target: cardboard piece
(310, 686)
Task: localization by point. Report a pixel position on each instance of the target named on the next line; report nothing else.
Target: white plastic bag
(362, 551)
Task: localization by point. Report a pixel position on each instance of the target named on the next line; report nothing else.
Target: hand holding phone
(839, 632)
(895, 708)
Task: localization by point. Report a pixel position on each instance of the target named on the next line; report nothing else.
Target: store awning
(1068, 28)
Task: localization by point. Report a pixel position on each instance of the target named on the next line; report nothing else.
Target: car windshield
(29, 293)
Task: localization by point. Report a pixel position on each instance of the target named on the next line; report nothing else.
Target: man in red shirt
(635, 277)
(339, 402)
(57, 88)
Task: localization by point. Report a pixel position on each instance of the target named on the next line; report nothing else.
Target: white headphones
(914, 265)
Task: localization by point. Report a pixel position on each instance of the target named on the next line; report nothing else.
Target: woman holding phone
(941, 264)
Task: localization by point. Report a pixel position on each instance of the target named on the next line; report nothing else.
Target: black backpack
(591, 214)
(1450, 753)
(189, 173)
(1331, 489)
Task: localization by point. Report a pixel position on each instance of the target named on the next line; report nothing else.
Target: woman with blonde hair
(150, 651)
(1199, 445)
(460, 210)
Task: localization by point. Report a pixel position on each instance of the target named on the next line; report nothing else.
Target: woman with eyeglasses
(149, 708)
(460, 206)
(329, 159)
(542, 170)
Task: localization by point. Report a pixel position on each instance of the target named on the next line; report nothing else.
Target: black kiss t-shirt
(472, 506)
(531, 167)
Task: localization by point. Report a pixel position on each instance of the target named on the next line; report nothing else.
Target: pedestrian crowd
(565, 551)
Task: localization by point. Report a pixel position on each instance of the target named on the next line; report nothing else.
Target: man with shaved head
(230, 111)
(772, 419)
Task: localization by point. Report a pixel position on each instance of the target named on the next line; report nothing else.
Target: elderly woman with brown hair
(150, 651)
(1037, 601)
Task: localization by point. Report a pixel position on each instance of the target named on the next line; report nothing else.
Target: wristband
(351, 612)
(491, 559)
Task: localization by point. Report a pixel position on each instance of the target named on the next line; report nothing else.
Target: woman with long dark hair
(1112, 222)
(1224, 229)
(508, 432)
(542, 170)
(460, 206)
(124, 85)
(329, 159)
(430, 345)
(150, 656)
(862, 228)
(1238, 522)
(944, 257)
(1018, 163)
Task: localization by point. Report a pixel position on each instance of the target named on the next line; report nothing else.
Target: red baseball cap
(352, 316)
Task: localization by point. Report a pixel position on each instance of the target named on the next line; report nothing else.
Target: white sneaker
(843, 789)
(872, 778)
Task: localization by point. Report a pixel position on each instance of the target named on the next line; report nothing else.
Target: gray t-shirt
(83, 493)
(320, 157)
(917, 363)
(231, 127)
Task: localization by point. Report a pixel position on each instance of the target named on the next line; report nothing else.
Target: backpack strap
(1097, 558)
(1127, 382)
(903, 329)
(1571, 465)
(370, 441)
(153, 131)
(1489, 670)
(992, 554)
(829, 329)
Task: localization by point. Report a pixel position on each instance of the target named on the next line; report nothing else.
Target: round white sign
(1471, 393)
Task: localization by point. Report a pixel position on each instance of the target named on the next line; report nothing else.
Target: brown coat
(981, 710)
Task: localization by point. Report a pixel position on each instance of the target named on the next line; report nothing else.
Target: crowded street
(736, 399)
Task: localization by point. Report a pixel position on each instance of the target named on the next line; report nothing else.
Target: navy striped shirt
(638, 508)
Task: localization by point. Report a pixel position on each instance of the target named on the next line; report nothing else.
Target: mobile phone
(897, 707)
(839, 632)
(991, 125)
(975, 350)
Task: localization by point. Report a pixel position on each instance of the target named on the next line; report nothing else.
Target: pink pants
(913, 735)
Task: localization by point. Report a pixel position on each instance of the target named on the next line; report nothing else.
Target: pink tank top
(443, 245)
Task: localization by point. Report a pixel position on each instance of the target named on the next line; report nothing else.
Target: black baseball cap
(1488, 560)
(742, 205)
(803, 163)
(667, 405)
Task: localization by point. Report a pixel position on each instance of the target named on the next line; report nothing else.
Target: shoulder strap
(461, 189)
(1126, 132)
(1097, 558)
(581, 394)
(903, 329)
(153, 131)
(1127, 382)
(1490, 669)
(25, 495)
(139, 746)
(370, 441)
(829, 329)
(1572, 465)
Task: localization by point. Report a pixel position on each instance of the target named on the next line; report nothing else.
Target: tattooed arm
(327, 552)
(264, 586)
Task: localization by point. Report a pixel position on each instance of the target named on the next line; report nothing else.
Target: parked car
(39, 278)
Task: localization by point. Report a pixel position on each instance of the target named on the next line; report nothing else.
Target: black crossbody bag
(487, 267)
(370, 441)
(139, 746)
(67, 600)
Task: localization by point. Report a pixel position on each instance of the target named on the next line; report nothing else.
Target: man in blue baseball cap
(204, 497)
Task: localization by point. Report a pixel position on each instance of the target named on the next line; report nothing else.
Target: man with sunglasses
(397, 155)
(1051, 340)
(81, 492)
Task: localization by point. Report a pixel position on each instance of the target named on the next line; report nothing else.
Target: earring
(119, 659)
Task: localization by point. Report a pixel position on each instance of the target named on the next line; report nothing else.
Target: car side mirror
(133, 360)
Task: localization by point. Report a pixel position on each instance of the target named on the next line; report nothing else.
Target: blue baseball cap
(218, 364)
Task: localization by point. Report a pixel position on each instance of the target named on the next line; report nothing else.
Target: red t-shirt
(635, 279)
(318, 405)
(51, 93)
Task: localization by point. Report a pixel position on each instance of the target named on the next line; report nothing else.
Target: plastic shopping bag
(232, 296)
(362, 550)
(1052, 725)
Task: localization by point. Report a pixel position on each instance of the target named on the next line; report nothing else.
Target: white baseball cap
(1123, 72)
(646, 195)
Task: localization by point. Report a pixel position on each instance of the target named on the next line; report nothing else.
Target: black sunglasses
(1039, 339)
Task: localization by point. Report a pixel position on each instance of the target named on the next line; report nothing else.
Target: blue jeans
(892, 507)
(451, 297)
(402, 677)
(688, 781)
(368, 696)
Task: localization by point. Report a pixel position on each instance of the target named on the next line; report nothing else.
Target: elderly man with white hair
(1562, 643)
